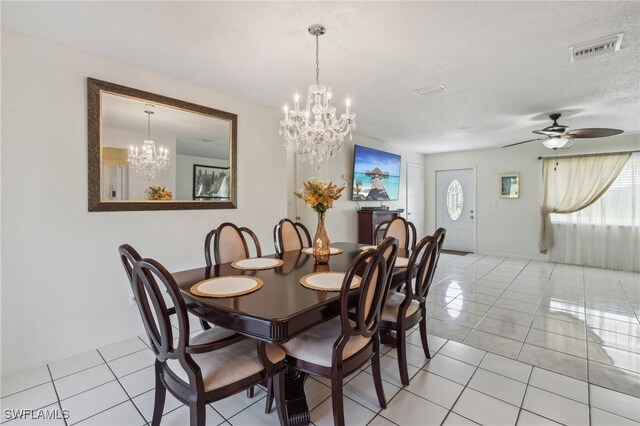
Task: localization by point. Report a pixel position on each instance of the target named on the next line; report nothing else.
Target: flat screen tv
(376, 175)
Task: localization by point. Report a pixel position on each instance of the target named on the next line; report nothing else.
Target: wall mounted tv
(376, 175)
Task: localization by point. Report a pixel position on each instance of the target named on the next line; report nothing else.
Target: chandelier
(316, 130)
(146, 161)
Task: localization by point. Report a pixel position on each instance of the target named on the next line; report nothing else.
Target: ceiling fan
(558, 136)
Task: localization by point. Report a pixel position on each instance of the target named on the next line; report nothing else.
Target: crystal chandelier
(317, 132)
(146, 161)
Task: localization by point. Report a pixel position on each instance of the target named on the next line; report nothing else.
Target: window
(455, 200)
(620, 205)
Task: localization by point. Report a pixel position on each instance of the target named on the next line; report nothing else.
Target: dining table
(278, 311)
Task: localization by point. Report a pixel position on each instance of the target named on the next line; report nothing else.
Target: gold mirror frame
(94, 90)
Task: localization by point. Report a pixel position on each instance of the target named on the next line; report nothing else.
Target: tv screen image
(376, 175)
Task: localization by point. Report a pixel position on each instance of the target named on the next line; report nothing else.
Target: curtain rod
(588, 155)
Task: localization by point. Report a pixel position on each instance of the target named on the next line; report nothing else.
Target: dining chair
(195, 371)
(399, 228)
(402, 310)
(439, 236)
(229, 244)
(338, 347)
(287, 236)
(129, 256)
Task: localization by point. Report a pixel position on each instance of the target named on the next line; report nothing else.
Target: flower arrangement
(157, 193)
(319, 195)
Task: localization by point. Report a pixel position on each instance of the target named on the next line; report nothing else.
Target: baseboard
(50, 358)
(540, 257)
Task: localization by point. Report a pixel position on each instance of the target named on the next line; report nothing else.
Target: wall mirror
(151, 152)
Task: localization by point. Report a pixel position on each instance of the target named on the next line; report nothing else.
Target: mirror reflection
(154, 152)
(151, 152)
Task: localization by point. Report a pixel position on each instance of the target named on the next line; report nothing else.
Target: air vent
(431, 90)
(596, 47)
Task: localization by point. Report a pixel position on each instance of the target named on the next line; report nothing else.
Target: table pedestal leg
(387, 338)
(296, 410)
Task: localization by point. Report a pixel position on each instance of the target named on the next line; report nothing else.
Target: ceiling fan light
(558, 143)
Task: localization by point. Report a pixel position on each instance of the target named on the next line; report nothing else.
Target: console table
(369, 219)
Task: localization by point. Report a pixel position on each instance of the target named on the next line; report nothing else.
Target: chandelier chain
(317, 61)
(315, 129)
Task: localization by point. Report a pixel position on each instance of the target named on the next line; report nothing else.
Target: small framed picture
(210, 183)
(510, 185)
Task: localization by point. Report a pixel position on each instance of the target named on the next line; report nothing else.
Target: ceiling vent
(431, 90)
(596, 47)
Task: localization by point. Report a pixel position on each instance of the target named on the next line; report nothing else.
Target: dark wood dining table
(278, 311)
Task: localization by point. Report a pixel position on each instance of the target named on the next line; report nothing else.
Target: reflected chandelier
(146, 161)
(317, 132)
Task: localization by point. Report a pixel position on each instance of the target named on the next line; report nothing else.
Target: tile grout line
(123, 389)
(465, 388)
(534, 314)
(55, 389)
(524, 395)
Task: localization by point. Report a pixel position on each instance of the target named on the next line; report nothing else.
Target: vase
(321, 242)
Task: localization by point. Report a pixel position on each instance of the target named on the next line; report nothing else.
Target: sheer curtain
(574, 182)
(607, 233)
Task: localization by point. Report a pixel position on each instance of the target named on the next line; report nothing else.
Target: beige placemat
(229, 286)
(257, 263)
(332, 250)
(327, 281)
(364, 248)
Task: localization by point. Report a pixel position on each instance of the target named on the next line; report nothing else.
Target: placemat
(327, 281)
(257, 263)
(332, 250)
(229, 286)
(364, 248)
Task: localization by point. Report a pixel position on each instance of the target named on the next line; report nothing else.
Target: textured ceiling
(505, 64)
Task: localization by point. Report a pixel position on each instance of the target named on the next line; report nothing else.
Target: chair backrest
(287, 236)
(229, 245)
(129, 256)
(439, 236)
(401, 229)
(371, 295)
(389, 249)
(150, 281)
(422, 263)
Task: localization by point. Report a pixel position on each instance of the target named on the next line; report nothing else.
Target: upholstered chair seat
(316, 344)
(229, 364)
(211, 335)
(392, 306)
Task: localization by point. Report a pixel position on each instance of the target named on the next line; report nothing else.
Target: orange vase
(321, 242)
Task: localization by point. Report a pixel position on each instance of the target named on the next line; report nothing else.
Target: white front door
(455, 208)
(415, 198)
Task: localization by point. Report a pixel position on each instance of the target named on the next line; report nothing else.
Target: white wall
(342, 220)
(63, 288)
(184, 173)
(510, 227)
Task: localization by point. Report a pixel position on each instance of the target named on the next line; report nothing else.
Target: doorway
(415, 197)
(456, 208)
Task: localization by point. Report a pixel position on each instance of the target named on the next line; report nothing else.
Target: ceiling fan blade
(520, 143)
(592, 133)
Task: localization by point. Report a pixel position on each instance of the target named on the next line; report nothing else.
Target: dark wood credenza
(369, 219)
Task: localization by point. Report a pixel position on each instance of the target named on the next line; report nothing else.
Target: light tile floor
(512, 342)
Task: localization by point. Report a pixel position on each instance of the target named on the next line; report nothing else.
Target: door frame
(421, 167)
(475, 199)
